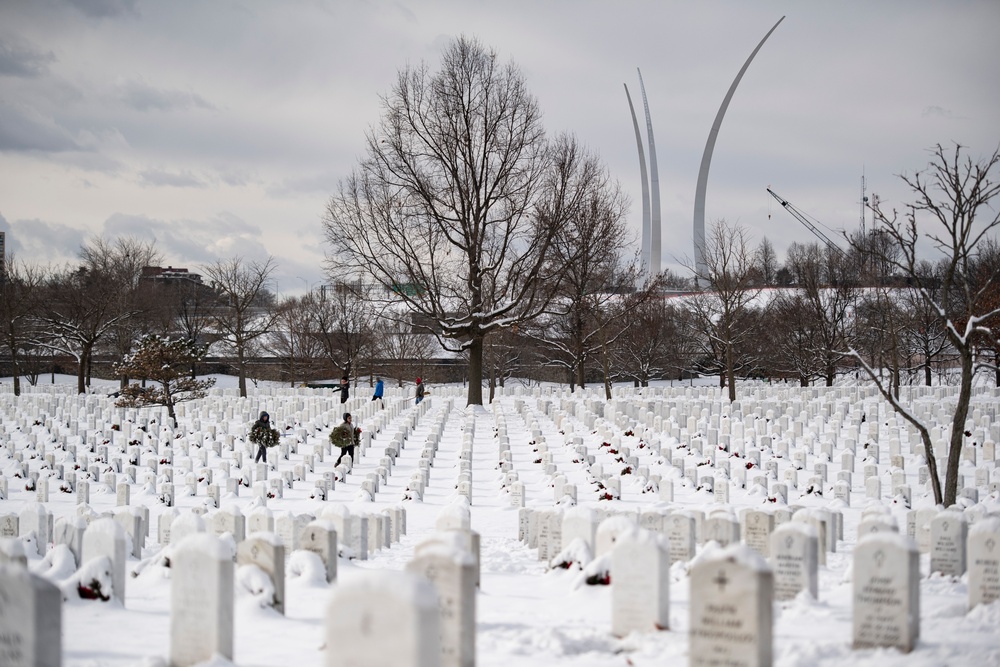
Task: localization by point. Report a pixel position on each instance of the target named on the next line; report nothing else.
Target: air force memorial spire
(651, 226)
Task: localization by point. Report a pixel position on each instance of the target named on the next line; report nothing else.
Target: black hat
(347, 415)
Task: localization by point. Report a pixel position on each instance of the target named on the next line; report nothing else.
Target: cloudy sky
(221, 128)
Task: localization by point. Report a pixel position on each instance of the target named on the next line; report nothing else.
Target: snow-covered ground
(527, 614)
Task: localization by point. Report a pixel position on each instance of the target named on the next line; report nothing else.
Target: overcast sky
(221, 128)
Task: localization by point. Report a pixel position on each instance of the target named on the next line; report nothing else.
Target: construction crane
(806, 222)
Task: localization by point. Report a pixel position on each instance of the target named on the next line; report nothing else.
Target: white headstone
(640, 583)
(949, 532)
(201, 600)
(731, 609)
(886, 592)
(383, 619)
(984, 561)
(30, 619)
(794, 560)
(266, 551)
(106, 537)
(452, 572)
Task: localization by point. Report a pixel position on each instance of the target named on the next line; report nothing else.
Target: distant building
(169, 274)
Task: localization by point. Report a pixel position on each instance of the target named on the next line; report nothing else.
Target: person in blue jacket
(377, 396)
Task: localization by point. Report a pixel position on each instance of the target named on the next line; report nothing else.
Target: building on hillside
(169, 273)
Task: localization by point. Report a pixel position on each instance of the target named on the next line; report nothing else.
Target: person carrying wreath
(263, 435)
(346, 437)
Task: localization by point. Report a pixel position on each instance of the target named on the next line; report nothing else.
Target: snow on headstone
(579, 522)
(640, 583)
(794, 560)
(984, 561)
(731, 609)
(30, 619)
(106, 537)
(37, 519)
(608, 532)
(184, 524)
(266, 551)
(201, 600)
(452, 572)
(320, 537)
(383, 619)
(69, 531)
(886, 595)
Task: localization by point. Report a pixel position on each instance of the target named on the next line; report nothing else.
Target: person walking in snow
(344, 389)
(345, 437)
(377, 396)
(263, 435)
(420, 391)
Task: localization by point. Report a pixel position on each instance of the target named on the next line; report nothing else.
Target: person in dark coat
(348, 450)
(264, 421)
(344, 389)
(420, 390)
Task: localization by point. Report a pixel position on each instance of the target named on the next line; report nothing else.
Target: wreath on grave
(264, 435)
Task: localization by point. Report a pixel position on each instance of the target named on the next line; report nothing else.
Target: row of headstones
(552, 532)
(112, 465)
(362, 534)
(202, 591)
(815, 484)
(732, 589)
(431, 621)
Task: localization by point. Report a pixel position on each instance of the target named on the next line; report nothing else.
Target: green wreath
(264, 435)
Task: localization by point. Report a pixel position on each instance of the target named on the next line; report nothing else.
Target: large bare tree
(242, 315)
(457, 201)
(952, 211)
(723, 311)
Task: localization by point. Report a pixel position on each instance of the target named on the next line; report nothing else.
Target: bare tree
(766, 261)
(723, 310)
(81, 306)
(657, 344)
(343, 320)
(20, 292)
(293, 339)
(122, 260)
(830, 290)
(242, 316)
(457, 202)
(952, 210)
(591, 309)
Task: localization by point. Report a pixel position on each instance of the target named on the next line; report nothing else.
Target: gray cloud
(21, 60)
(160, 177)
(26, 130)
(101, 9)
(192, 242)
(43, 242)
(142, 97)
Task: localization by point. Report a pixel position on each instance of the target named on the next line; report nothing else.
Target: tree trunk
(730, 371)
(581, 373)
(81, 372)
(958, 429)
(476, 370)
(241, 369)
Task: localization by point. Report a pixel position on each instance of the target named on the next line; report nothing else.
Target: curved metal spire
(654, 225)
(645, 187)
(706, 162)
